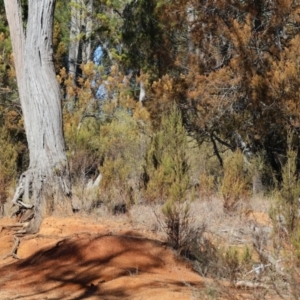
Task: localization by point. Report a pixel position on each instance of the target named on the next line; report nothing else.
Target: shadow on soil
(84, 267)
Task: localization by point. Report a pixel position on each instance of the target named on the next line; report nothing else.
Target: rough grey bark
(88, 27)
(47, 177)
(74, 38)
(190, 11)
(80, 50)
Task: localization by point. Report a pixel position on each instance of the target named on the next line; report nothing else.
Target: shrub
(169, 183)
(235, 183)
(122, 145)
(167, 163)
(204, 168)
(288, 191)
(285, 212)
(207, 185)
(220, 262)
(104, 135)
(82, 148)
(178, 223)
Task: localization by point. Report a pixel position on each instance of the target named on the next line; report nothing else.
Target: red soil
(77, 258)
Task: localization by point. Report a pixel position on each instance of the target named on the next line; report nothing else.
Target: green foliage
(285, 212)
(221, 90)
(107, 136)
(122, 146)
(82, 147)
(218, 94)
(62, 16)
(177, 222)
(8, 155)
(231, 262)
(61, 32)
(169, 183)
(235, 182)
(235, 261)
(289, 190)
(167, 163)
(222, 262)
(143, 38)
(7, 71)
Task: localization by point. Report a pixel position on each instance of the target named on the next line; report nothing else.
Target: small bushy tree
(289, 190)
(169, 182)
(167, 163)
(235, 183)
(122, 148)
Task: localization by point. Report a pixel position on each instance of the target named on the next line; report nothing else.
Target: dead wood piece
(13, 228)
(250, 284)
(12, 225)
(269, 258)
(259, 241)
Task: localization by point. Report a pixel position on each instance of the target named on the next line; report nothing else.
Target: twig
(279, 269)
(249, 284)
(260, 268)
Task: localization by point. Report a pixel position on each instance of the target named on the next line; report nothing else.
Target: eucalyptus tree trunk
(88, 26)
(74, 38)
(41, 187)
(190, 18)
(80, 50)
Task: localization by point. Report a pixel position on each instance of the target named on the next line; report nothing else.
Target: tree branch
(216, 150)
(222, 142)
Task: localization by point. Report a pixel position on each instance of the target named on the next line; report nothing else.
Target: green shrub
(122, 145)
(169, 183)
(288, 191)
(167, 163)
(235, 184)
(285, 211)
(225, 262)
(82, 145)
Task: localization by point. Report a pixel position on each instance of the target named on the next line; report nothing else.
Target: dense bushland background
(170, 103)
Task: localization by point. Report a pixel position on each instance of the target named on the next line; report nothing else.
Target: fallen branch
(276, 263)
(258, 242)
(251, 285)
(13, 226)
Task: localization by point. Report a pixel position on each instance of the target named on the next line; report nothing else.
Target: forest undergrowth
(175, 187)
(189, 127)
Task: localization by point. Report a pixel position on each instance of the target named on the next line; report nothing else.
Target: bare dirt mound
(76, 258)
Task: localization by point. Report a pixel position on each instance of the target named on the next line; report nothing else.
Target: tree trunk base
(38, 194)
